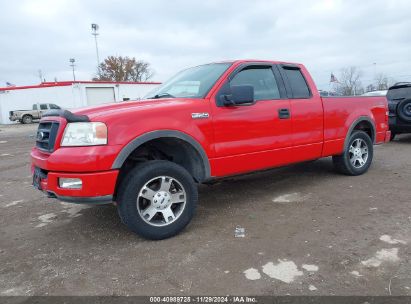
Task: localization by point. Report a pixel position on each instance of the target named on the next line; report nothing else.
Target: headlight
(84, 134)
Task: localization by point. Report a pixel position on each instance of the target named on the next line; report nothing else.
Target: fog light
(70, 183)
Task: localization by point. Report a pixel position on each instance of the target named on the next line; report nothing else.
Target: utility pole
(94, 32)
(40, 76)
(72, 61)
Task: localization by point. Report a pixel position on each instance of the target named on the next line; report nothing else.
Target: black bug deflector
(70, 117)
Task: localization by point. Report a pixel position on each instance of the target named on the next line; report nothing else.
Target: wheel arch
(201, 176)
(363, 123)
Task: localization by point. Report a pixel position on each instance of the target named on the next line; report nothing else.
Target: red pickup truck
(207, 122)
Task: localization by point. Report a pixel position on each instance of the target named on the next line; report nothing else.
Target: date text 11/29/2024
(203, 299)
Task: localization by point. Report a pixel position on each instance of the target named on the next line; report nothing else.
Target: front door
(256, 135)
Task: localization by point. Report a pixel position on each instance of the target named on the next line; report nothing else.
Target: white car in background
(376, 93)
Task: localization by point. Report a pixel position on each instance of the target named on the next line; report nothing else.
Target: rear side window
(297, 83)
(398, 93)
(43, 107)
(263, 81)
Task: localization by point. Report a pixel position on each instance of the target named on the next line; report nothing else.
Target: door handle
(284, 114)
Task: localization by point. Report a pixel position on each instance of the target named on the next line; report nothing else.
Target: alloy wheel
(358, 153)
(161, 201)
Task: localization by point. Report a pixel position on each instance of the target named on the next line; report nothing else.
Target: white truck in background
(27, 116)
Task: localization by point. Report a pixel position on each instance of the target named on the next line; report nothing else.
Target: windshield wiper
(162, 95)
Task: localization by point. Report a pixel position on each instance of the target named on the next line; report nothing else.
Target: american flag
(333, 78)
(9, 84)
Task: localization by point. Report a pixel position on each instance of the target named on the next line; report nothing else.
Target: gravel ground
(308, 231)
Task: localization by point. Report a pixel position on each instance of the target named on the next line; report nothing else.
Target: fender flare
(138, 141)
(355, 123)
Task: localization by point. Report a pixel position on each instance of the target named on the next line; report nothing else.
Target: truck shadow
(402, 139)
(102, 223)
(276, 181)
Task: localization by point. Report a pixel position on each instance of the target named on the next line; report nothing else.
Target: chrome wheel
(161, 201)
(358, 153)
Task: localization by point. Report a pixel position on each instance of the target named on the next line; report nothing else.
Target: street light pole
(72, 61)
(41, 76)
(94, 32)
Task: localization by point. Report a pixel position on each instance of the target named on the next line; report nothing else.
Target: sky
(325, 35)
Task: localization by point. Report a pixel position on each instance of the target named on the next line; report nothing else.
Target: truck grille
(46, 136)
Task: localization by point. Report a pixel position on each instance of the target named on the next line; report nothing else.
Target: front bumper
(97, 187)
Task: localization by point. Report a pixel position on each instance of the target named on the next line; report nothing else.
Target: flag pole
(329, 86)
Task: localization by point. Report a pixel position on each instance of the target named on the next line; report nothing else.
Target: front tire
(357, 156)
(157, 199)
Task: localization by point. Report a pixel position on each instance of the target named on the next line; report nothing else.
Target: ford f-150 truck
(207, 122)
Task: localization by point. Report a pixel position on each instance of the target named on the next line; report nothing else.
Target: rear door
(307, 114)
(252, 136)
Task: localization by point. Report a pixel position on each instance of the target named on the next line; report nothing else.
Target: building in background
(70, 94)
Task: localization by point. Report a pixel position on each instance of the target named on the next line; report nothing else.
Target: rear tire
(157, 199)
(392, 137)
(357, 156)
(27, 119)
(404, 110)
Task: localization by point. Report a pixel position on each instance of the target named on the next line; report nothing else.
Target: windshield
(194, 82)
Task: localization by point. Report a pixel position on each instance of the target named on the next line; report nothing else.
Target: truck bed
(342, 111)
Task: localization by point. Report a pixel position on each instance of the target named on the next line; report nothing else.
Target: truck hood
(112, 109)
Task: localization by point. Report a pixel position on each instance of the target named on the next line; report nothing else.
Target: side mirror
(240, 94)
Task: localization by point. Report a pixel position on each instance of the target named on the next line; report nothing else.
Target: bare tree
(391, 81)
(381, 81)
(118, 68)
(370, 88)
(350, 82)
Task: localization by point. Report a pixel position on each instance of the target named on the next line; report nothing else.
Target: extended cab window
(297, 83)
(43, 107)
(263, 81)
